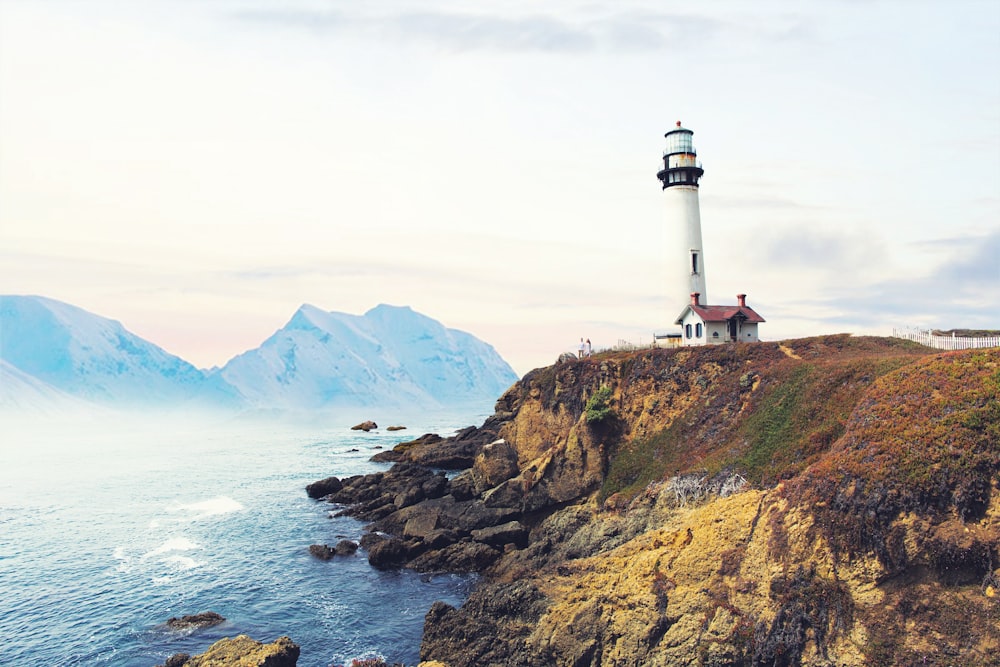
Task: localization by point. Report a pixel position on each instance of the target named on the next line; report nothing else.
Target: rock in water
(326, 552)
(346, 548)
(324, 487)
(205, 619)
(321, 551)
(243, 651)
(396, 428)
(364, 426)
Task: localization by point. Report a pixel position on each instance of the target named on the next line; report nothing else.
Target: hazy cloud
(768, 203)
(952, 295)
(805, 247)
(537, 32)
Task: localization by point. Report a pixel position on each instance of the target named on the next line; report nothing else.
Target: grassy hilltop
(824, 501)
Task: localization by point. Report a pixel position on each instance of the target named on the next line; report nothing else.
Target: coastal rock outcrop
(324, 487)
(205, 619)
(326, 552)
(457, 452)
(833, 500)
(241, 650)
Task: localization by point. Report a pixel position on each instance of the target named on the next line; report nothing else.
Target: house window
(715, 334)
(697, 330)
(694, 263)
(687, 330)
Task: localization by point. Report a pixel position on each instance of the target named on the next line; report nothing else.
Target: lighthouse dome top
(679, 129)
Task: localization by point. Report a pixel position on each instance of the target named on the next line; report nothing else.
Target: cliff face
(826, 501)
(829, 501)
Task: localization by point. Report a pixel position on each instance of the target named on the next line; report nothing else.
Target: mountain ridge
(317, 361)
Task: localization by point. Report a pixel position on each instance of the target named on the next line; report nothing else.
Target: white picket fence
(952, 342)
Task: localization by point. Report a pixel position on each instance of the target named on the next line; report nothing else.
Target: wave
(183, 562)
(211, 507)
(173, 544)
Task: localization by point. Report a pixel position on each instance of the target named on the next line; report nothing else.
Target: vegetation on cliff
(766, 410)
(824, 501)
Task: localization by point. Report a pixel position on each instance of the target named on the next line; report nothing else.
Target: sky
(197, 170)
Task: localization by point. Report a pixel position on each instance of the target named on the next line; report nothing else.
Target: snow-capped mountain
(94, 358)
(24, 393)
(388, 356)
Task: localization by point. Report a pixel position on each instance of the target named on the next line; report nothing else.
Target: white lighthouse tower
(685, 255)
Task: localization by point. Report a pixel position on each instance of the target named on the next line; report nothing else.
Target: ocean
(110, 527)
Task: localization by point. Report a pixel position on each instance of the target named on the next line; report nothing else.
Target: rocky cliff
(241, 651)
(826, 501)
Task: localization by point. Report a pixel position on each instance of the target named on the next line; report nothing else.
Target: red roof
(722, 313)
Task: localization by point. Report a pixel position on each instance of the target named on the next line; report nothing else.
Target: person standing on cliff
(589, 348)
(582, 349)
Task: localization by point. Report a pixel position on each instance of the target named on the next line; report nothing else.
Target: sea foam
(173, 544)
(211, 507)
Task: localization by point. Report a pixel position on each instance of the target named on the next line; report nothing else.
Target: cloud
(628, 31)
(961, 292)
(768, 203)
(836, 251)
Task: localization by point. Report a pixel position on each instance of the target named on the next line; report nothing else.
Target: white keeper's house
(700, 324)
(708, 325)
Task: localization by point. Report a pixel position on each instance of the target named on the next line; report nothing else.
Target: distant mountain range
(55, 355)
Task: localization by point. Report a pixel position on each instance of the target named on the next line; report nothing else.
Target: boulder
(326, 552)
(396, 428)
(512, 532)
(400, 451)
(464, 556)
(440, 538)
(495, 464)
(370, 539)
(436, 486)
(324, 487)
(463, 487)
(241, 650)
(205, 619)
(365, 426)
(412, 495)
(321, 551)
(421, 525)
(346, 548)
(359, 490)
(387, 554)
(507, 494)
(455, 453)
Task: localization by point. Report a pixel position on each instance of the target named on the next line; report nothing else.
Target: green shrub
(598, 408)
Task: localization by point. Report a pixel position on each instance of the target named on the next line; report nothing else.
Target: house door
(733, 325)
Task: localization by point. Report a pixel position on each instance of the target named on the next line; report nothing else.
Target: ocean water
(108, 528)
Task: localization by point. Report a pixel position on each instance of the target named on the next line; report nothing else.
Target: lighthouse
(700, 323)
(685, 254)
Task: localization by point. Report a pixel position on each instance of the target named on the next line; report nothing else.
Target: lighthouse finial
(678, 123)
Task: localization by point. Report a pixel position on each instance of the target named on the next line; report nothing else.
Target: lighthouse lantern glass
(679, 142)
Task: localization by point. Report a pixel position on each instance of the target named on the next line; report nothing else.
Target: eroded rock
(205, 619)
(241, 650)
(324, 487)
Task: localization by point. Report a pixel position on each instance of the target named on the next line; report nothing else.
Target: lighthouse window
(694, 262)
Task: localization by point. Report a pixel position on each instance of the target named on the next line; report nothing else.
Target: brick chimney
(694, 298)
(742, 300)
